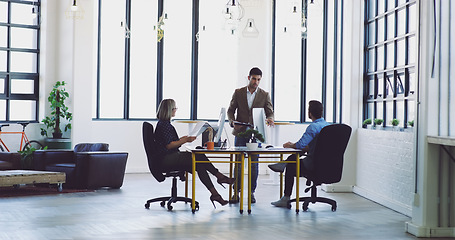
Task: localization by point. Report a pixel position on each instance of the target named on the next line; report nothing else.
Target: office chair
(155, 168)
(328, 159)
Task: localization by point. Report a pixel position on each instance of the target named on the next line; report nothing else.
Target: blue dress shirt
(310, 133)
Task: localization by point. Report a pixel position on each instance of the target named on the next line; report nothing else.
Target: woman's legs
(183, 161)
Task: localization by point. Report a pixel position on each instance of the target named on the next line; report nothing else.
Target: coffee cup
(210, 145)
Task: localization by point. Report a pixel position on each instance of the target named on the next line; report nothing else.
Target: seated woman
(168, 143)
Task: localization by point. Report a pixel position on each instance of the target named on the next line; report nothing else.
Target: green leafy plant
(367, 121)
(59, 110)
(395, 122)
(378, 121)
(27, 156)
(411, 123)
(253, 135)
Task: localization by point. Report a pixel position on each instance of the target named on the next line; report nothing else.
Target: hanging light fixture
(74, 10)
(160, 27)
(233, 12)
(74, 6)
(250, 29)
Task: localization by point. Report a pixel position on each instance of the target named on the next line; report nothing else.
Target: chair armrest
(101, 169)
(42, 158)
(13, 158)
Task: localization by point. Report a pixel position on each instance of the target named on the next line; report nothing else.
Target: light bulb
(74, 6)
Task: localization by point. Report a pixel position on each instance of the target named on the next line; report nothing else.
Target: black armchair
(88, 166)
(328, 159)
(155, 168)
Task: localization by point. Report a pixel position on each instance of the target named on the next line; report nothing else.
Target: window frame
(336, 77)
(8, 96)
(377, 97)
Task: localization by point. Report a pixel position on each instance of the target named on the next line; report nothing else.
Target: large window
(197, 59)
(218, 54)
(390, 60)
(307, 58)
(19, 54)
(288, 61)
(177, 55)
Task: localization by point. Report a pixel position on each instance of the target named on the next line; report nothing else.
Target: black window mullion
(126, 88)
(8, 64)
(341, 60)
(159, 62)
(406, 72)
(194, 60)
(272, 72)
(303, 69)
(335, 58)
(324, 55)
(98, 74)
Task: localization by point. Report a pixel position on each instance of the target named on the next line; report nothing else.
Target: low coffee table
(17, 177)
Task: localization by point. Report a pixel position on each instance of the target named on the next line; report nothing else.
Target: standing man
(243, 101)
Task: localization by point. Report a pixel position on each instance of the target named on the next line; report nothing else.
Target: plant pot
(252, 146)
(57, 143)
(57, 134)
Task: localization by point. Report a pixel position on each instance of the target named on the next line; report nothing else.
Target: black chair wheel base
(147, 205)
(334, 208)
(162, 203)
(304, 207)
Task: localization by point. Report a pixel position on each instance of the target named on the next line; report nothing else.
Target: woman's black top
(165, 133)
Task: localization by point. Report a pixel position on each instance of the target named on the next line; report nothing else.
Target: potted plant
(253, 136)
(395, 123)
(378, 123)
(367, 123)
(411, 123)
(59, 111)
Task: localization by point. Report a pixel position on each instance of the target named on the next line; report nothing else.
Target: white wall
(386, 166)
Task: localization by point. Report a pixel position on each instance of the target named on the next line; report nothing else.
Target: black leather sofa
(10, 161)
(88, 166)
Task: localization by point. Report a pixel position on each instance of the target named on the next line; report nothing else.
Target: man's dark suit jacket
(239, 103)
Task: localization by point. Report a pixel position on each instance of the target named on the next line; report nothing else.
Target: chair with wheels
(160, 175)
(328, 157)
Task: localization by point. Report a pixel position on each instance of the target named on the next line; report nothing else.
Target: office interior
(346, 68)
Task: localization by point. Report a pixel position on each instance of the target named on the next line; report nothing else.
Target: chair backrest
(329, 151)
(91, 147)
(148, 138)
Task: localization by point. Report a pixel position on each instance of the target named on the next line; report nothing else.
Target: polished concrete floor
(120, 214)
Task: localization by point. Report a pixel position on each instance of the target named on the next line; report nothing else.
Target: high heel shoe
(219, 199)
(225, 179)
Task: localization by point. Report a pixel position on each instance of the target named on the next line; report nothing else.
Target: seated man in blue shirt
(306, 144)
